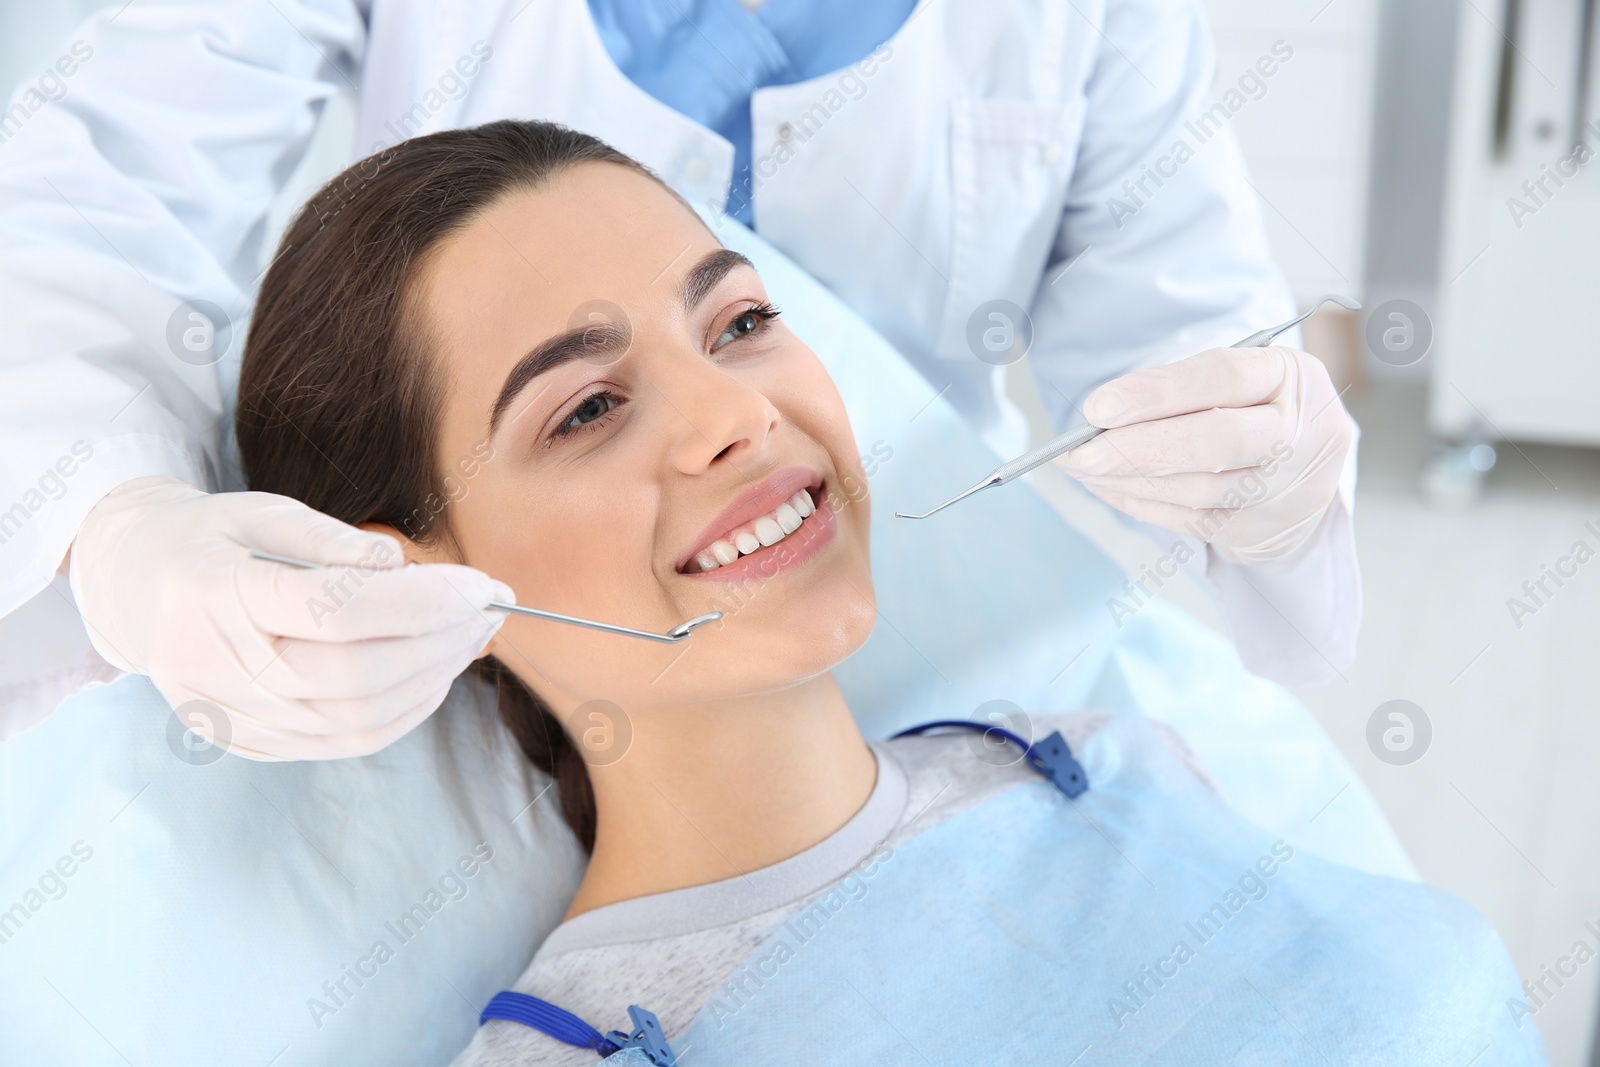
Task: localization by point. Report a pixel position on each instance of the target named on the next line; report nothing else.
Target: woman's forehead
(594, 231)
(598, 234)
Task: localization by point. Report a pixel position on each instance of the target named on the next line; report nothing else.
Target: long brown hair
(339, 398)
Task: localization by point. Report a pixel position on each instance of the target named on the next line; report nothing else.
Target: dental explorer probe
(1084, 434)
(671, 637)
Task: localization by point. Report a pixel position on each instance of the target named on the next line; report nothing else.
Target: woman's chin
(818, 634)
(786, 637)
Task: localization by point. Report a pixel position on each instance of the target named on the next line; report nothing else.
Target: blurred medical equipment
(671, 637)
(1084, 434)
(302, 867)
(1512, 333)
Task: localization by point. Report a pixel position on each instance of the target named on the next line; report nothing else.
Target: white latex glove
(1240, 447)
(303, 664)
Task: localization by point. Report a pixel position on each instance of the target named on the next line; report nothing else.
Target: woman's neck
(707, 793)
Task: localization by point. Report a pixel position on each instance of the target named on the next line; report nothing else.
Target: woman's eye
(747, 323)
(588, 414)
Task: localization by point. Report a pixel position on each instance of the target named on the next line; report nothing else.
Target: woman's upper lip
(753, 503)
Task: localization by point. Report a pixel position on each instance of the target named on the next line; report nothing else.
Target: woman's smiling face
(621, 411)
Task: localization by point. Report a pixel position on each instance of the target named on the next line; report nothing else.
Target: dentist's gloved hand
(1241, 447)
(304, 664)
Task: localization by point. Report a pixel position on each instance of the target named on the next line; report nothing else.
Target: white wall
(1307, 139)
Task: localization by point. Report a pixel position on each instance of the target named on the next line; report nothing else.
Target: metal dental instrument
(1084, 434)
(1263, 338)
(671, 637)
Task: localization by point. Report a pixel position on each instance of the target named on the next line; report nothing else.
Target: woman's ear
(419, 552)
(414, 551)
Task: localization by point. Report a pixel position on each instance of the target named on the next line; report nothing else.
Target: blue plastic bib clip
(647, 1035)
(1053, 758)
(567, 1028)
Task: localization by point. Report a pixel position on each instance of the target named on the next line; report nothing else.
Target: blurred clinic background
(1431, 158)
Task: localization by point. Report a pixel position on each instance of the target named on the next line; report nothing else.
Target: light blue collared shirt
(704, 58)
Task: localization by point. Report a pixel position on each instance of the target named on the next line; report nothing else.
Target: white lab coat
(971, 158)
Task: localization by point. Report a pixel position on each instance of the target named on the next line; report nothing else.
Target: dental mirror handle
(671, 637)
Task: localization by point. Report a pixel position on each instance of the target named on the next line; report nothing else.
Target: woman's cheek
(809, 396)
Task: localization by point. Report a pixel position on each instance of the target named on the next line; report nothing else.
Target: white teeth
(788, 518)
(768, 531)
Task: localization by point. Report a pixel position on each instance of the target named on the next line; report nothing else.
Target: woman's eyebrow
(708, 272)
(604, 339)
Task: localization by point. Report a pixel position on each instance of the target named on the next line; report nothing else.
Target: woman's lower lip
(771, 560)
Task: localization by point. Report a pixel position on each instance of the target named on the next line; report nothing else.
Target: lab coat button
(785, 131)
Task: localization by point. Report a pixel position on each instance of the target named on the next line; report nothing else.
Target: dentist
(979, 181)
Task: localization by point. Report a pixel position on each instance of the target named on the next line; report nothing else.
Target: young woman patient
(513, 347)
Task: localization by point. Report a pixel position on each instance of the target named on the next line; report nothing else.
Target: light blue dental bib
(1145, 922)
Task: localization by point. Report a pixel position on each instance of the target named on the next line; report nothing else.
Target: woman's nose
(723, 416)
